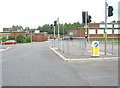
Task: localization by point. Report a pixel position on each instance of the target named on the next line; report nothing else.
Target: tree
(20, 39)
(67, 27)
(10, 37)
(118, 22)
(27, 39)
(26, 29)
(102, 22)
(17, 28)
(4, 38)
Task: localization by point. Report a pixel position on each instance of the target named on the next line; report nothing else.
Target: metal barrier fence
(79, 46)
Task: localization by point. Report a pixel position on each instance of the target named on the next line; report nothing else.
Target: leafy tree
(39, 28)
(20, 39)
(118, 22)
(26, 29)
(27, 39)
(67, 27)
(23, 39)
(10, 37)
(4, 38)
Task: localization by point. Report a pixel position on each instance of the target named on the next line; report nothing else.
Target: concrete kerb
(5, 49)
(53, 49)
(85, 59)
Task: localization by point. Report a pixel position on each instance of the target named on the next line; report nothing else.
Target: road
(36, 65)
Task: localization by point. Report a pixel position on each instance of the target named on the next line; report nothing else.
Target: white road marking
(66, 59)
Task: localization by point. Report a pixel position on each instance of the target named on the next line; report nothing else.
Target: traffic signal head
(55, 23)
(89, 19)
(110, 11)
(51, 25)
(84, 16)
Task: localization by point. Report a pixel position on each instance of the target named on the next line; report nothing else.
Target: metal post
(63, 46)
(58, 28)
(54, 31)
(112, 38)
(31, 35)
(105, 27)
(54, 36)
(63, 39)
(68, 45)
(88, 32)
(86, 13)
(63, 30)
(58, 32)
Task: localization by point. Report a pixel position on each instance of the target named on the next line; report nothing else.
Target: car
(9, 42)
(67, 38)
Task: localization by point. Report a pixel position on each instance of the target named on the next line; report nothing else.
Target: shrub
(10, 38)
(23, 39)
(27, 39)
(20, 39)
(4, 38)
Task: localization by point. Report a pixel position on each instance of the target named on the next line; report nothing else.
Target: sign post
(95, 48)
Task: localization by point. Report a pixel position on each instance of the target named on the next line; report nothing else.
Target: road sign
(95, 48)
(96, 44)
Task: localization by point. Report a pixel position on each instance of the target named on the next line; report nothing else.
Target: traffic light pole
(105, 26)
(31, 35)
(86, 28)
(54, 31)
(58, 28)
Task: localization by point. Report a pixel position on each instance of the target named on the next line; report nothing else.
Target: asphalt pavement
(36, 65)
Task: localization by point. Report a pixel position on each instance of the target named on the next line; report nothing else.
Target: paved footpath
(75, 52)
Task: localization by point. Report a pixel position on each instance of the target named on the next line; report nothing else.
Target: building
(7, 29)
(95, 31)
(36, 37)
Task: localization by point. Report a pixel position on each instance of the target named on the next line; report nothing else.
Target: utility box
(95, 48)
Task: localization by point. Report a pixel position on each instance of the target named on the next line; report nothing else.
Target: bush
(10, 38)
(23, 39)
(20, 39)
(4, 38)
(27, 39)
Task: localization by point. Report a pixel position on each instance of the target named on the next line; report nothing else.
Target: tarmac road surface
(36, 65)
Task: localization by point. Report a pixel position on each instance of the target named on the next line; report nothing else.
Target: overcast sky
(33, 13)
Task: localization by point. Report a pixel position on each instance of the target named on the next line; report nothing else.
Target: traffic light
(84, 15)
(110, 11)
(51, 25)
(89, 19)
(55, 23)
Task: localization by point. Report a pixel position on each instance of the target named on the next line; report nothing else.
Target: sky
(34, 13)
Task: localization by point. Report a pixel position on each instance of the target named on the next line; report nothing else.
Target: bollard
(95, 48)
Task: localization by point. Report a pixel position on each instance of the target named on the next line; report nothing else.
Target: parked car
(67, 38)
(9, 42)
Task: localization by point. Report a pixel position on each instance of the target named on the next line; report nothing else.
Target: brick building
(36, 37)
(95, 31)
